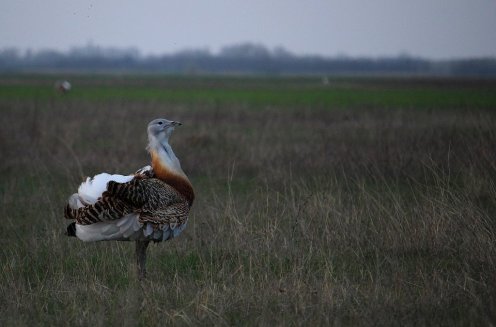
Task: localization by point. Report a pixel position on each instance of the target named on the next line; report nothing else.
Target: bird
(62, 86)
(152, 204)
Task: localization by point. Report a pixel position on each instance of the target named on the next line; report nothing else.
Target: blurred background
(442, 38)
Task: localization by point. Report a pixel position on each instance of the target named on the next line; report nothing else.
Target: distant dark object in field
(62, 86)
(151, 205)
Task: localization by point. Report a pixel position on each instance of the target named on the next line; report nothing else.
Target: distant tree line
(246, 58)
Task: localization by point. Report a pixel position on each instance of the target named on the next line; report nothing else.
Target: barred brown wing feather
(148, 192)
(133, 192)
(106, 208)
(172, 215)
(165, 205)
(156, 201)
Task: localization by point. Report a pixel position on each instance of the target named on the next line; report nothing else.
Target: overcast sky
(427, 28)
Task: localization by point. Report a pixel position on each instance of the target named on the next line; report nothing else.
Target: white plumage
(92, 189)
(88, 193)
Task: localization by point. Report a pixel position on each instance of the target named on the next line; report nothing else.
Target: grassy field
(361, 202)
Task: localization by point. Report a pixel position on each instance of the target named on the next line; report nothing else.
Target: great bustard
(150, 205)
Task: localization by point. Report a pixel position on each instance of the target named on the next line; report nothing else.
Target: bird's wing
(158, 202)
(148, 193)
(105, 209)
(92, 189)
(170, 216)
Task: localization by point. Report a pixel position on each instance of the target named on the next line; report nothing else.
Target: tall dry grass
(304, 216)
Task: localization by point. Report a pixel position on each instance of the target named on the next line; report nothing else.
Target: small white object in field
(62, 86)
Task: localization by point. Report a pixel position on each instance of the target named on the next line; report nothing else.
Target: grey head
(161, 129)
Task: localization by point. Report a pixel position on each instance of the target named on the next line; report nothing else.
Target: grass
(381, 212)
(257, 93)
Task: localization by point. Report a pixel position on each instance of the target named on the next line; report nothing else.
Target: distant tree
(10, 58)
(245, 50)
(281, 53)
(238, 58)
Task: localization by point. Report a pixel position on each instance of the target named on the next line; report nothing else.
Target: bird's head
(161, 129)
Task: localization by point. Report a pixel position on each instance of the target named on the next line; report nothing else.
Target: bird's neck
(167, 168)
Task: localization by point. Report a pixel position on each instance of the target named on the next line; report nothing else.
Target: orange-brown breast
(176, 180)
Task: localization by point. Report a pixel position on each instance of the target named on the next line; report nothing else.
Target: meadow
(365, 201)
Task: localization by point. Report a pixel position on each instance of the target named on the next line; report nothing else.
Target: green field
(257, 92)
(367, 201)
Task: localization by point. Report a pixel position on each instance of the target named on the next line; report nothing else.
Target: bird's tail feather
(71, 230)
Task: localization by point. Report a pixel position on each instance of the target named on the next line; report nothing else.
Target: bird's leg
(141, 258)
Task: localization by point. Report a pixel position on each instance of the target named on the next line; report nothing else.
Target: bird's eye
(160, 123)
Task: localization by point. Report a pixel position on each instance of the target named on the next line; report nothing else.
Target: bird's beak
(176, 123)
